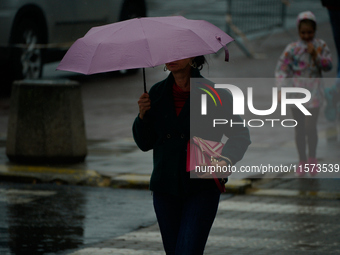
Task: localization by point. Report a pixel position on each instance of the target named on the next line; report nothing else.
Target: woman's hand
(224, 165)
(144, 104)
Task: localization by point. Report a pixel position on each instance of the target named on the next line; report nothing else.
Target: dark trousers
(306, 134)
(185, 221)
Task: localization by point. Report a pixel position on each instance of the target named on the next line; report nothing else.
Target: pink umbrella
(143, 42)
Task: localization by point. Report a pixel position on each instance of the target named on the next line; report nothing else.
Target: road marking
(49, 174)
(15, 196)
(115, 251)
(134, 178)
(264, 225)
(294, 193)
(255, 207)
(39, 169)
(227, 240)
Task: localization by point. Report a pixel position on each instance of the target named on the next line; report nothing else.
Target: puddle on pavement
(43, 225)
(52, 219)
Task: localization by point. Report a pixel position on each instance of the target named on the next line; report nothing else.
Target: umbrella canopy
(142, 42)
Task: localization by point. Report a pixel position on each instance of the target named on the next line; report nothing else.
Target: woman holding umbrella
(185, 207)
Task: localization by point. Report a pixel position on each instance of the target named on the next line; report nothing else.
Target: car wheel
(27, 60)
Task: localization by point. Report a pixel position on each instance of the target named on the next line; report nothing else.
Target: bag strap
(219, 186)
(200, 141)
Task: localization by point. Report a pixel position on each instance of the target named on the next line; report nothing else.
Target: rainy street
(272, 215)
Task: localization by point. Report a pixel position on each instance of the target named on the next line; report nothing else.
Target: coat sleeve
(323, 59)
(143, 134)
(284, 68)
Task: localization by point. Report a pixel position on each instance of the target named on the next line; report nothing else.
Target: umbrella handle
(146, 114)
(144, 80)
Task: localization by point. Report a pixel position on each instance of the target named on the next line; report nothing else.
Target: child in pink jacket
(301, 65)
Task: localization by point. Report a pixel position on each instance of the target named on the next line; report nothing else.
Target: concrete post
(46, 123)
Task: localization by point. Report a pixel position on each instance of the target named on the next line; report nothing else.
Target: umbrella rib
(205, 43)
(89, 68)
(188, 29)
(99, 44)
(146, 40)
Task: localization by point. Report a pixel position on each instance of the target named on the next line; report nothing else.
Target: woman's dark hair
(308, 22)
(199, 61)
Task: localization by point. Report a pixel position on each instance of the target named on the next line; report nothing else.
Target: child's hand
(311, 50)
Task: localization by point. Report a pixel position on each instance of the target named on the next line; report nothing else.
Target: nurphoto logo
(204, 97)
(239, 104)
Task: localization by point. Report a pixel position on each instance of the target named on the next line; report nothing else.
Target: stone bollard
(46, 123)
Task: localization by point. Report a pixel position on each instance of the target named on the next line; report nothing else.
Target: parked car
(35, 32)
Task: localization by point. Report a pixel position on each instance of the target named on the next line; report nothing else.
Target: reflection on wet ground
(52, 219)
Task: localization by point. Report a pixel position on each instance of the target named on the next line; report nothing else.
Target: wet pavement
(250, 224)
(58, 219)
(273, 216)
(54, 219)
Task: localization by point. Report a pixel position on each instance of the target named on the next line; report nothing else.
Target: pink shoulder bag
(205, 152)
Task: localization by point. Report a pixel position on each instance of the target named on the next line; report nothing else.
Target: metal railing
(246, 17)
